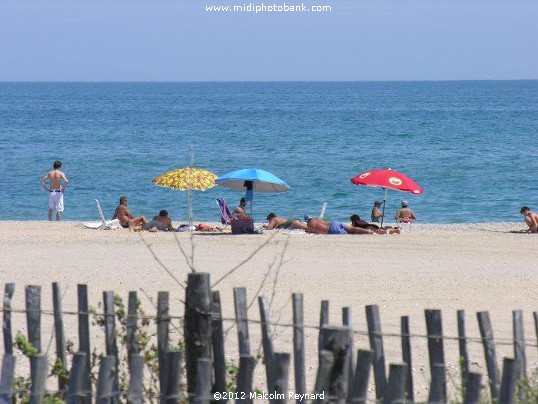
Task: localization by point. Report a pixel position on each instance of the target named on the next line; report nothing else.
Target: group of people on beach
(57, 185)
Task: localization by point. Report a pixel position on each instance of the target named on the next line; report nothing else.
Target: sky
(179, 40)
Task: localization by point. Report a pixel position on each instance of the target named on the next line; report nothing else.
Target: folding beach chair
(225, 214)
(103, 224)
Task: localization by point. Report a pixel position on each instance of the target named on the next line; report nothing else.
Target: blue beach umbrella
(250, 180)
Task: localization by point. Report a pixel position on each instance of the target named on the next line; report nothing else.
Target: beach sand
(471, 267)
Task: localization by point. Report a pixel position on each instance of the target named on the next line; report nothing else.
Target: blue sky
(178, 40)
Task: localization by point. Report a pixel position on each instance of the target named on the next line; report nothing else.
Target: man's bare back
(57, 186)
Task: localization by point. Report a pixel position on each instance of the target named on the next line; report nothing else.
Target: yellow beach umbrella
(187, 179)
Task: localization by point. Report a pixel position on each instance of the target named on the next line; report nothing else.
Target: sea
(471, 145)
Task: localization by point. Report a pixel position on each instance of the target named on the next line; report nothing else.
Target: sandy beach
(472, 267)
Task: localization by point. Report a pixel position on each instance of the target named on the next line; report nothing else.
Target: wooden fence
(341, 377)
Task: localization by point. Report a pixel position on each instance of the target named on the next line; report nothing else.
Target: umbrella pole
(189, 204)
(384, 201)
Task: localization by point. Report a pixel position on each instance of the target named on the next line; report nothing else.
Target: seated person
(276, 222)
(356, 221)
(320, 226)
(405, 214)
(531, 219)
(126, 218)
(376, 213)
(161, 222)
(240, 211)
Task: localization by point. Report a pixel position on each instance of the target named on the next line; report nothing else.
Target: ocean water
(472, 146)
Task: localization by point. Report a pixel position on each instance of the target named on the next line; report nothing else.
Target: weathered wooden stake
(436, 352)
(6, 379)
(376, 344)
(281, 366)
(59, 331)
(267, 341)
(241, 319)
(33, 315)
(406, 356)
(38, 375)
(437, 393)
(359, 393)
(244, 379)
(323, 319)
(132, 324)
(486, 333)
(397, 384)
(217, 338)
(106, 393)
(298, 344)
(464, 356)
(163, 323)
(323, 378)
(172, 380)
(197, 326)
(203, 382)
(519, 345)
(336, 340)
(135, 394)
(473, 388)
(350, 365)
(509, 382)
(75, 389)
(9, 288)
(111, 347)
(84, 337)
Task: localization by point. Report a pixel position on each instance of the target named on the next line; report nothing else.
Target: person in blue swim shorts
(320, 226)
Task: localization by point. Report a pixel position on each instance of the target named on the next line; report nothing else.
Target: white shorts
(56, 200)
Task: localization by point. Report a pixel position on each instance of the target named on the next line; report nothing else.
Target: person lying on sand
(356, 221)
(161, 222)
(126, 218)
(531, 219)
(320, 226)
(276, 222)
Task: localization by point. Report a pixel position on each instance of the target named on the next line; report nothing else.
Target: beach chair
(225, 214)
(103, 224)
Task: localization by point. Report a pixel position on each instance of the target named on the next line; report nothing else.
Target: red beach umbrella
(387, 178)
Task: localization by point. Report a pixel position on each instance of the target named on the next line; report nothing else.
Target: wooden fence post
(472, 388)
(172, 391)
(163, 322)
(6, 379)
(132, 324)
(323, 377)
(509, 381)
(84, 338)
(281, 366)
(436, 352)
(33, 315)
(437, 393)
(135, 394)
(376, 345)
(241, 319)
(75, 387)
(111, 347)
(350, 365)
(535, 314)
(9, 288)
(217, 337)
(486, 333)
(323, 320)
(464, 356)
(519, 345)
(298, 344)
(267, 342)
(197, 326)
(397, 384)
(38, 375)
(106, 393)
(59, 335)
(244, 378)
(203, 382)
(362, 373)
(406, 356)
(336, 340)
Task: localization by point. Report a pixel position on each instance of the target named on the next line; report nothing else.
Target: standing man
(405, 215)
(56, 190)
